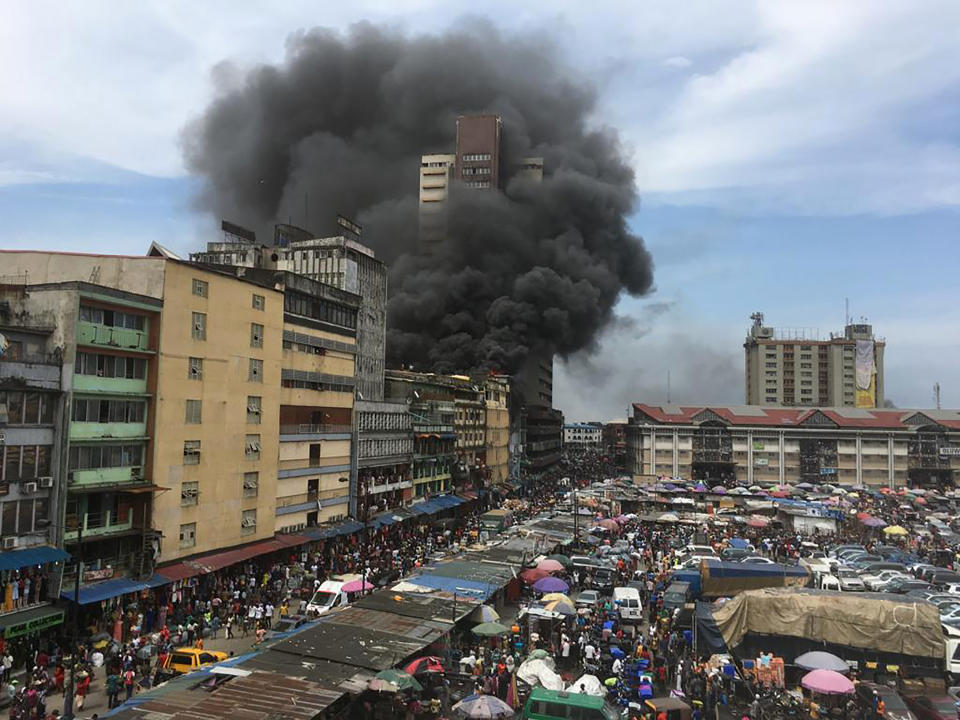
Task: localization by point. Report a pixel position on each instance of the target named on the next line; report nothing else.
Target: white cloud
(678, 61)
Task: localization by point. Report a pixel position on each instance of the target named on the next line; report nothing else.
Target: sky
(788, 156)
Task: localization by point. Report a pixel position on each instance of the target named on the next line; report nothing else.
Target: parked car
(587, 600)
(850, 581)
(757, 560)
(735, 554)
(904, 585)
(896, 708)
(937, 707)
(836, 551)
(874, 581)
(185, 660)
(291, 622)
(945, 578)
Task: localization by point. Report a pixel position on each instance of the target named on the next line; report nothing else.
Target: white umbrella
(540, 672)
(587, 685)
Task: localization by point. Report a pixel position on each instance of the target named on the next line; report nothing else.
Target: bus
(560, 705)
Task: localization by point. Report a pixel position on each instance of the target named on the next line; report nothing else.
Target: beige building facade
(747, 445)
(791, 367)
(497, 427)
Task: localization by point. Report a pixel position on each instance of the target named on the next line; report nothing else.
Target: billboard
(865, 369)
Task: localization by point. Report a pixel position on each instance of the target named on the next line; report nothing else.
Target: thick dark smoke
(340, 126)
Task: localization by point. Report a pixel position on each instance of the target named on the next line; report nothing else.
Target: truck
(496, 521)
(717, 578)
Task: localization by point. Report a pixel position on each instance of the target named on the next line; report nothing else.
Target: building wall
(222, 499)
(141, 275)
(478, 150)
(497, 401)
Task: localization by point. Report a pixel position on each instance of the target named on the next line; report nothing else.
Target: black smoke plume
(339, 127)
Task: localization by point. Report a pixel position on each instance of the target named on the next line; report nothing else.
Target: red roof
(755, 415)
(215, 561)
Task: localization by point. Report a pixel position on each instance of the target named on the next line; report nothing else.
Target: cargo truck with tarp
(720, 578)
(873, 630)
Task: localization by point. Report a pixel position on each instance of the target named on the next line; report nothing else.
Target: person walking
(129, 678)
(113, 690)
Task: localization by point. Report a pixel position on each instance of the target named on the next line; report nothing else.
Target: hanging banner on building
(867, 398)
(865, 369)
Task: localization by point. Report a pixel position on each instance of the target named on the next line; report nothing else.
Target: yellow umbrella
(550, 597)
(895, 530)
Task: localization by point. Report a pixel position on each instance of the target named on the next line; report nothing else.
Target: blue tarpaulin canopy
(113, 588)
(16, 559)
(462, 586)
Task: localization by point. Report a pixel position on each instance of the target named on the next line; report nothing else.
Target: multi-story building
(497, 428)
(583, 435)
(385, 453)
(615, 441)
(476, 163)
(189, 383)
(431, 405)
(470, 428)
(747, 444)
(790, 367)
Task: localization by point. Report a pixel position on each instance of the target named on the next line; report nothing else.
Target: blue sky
(788, 155)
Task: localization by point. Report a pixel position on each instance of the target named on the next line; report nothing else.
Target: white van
(328, 596)
(627, 602)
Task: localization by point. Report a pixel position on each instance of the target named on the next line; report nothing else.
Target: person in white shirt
(589, 652)
(617, 666)
(268, 613)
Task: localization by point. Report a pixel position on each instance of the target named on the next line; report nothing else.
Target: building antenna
(306, 214)
(846, 311)
(936, 394)
(668, 387)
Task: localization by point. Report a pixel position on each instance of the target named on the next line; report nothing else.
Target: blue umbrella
(617, 653)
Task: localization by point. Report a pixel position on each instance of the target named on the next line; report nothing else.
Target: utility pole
(75, 634)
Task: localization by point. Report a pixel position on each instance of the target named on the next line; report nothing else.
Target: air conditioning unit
(136, 473)
(45, 482)
(9, 543)
(30, 487)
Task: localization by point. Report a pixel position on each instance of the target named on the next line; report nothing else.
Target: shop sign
(828, 471)
(40, 623)
(950, 451)
(94, 575)
(761, 461)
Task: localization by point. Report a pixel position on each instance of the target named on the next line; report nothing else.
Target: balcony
(93, 383)
(304, 429)
(106, 477)
(298, 499)
(95, 431)
(115, 337)
(95, 524)
(38, 371)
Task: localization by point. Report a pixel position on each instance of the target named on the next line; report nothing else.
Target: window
(248, 522)
(771, 399)
(256, 335)
(199, 326)
(259, 302)
(110, 366)
(253, 409)
(188, 493)
(194, 412)
(251, 447)
(24, 462)
(255, 373)
(27, 408)
(188, 535)
(200, 288)
(92, 457)
(195, 368)
(191, 452)
(771, 364)
(97, 410)
(251, 484)
(112, 318)
(315, 455)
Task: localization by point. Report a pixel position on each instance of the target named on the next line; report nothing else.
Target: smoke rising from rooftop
(339, 127)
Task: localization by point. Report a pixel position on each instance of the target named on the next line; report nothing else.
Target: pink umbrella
(827, 682)
(533, 574)
(356, 586)
(551, 566)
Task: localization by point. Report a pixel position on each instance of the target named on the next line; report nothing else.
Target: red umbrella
(779, 494)
(862, 515)
(429, 664)
(532, 575)
(608, 524)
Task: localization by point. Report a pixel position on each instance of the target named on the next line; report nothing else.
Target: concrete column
(780, 440)
(676, 452)
(653, 452)
(859, 460)
(890, 462)
(749, 457)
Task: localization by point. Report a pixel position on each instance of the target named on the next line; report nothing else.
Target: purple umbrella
(874, 522)
(551, 584)
(700, 487)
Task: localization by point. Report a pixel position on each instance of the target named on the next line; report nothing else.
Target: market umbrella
(827, 682)
(719, 489)
(896, 530)
(551, 585)
(587, 685)
(562, 559)
(699, 488)
(538, 654)
(356, 586)
(484, 613)
(669, 517)
(873, 522)
(491, 629)
(532, 575)
(550, 566)
(820, 660)
(563, 607)
(608, 524)
(757, 521)
(550, 597)
(393, 680)
(428, 664)
(483, 706)
(805, 486)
